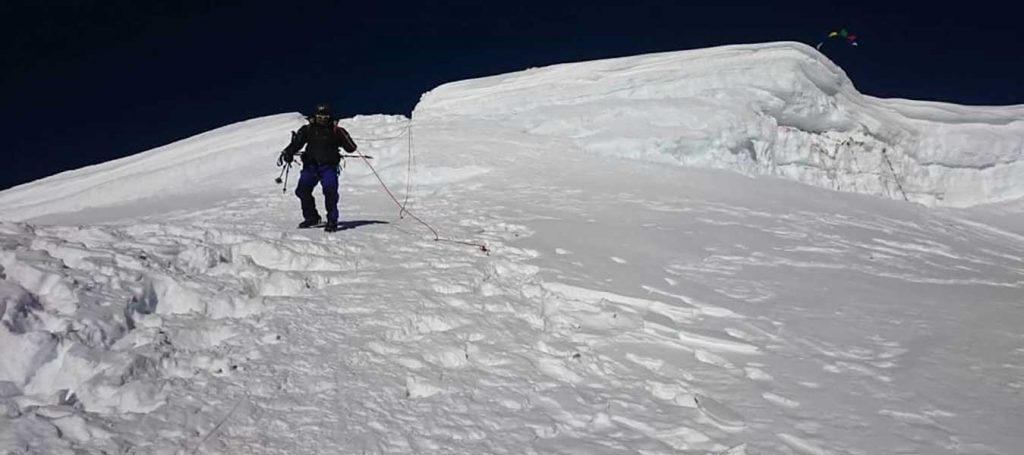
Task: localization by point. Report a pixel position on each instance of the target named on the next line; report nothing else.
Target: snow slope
(215, 166)
(625, 306)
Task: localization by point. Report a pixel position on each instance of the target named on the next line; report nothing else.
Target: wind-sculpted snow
(622, 307)
(777, 109)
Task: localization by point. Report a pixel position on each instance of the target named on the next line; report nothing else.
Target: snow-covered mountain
(772, 109)
(162, 303)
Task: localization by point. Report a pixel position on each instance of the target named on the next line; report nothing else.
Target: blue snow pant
(327, 176)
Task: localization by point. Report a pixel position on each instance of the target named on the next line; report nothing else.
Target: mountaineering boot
(332, 226)
(306, 224)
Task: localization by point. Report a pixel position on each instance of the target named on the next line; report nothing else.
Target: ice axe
(284, 171)
(286, 166)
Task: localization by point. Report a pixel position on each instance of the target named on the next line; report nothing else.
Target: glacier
(779, 109)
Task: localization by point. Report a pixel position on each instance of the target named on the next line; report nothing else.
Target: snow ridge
(778, 109)
(219, 165)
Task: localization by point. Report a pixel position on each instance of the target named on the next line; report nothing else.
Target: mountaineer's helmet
(322, 114)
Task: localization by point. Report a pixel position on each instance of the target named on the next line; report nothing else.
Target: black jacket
(322, 143)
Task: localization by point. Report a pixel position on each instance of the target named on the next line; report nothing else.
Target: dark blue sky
(84, 82)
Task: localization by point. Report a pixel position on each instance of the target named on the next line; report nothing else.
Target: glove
(285, 157)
